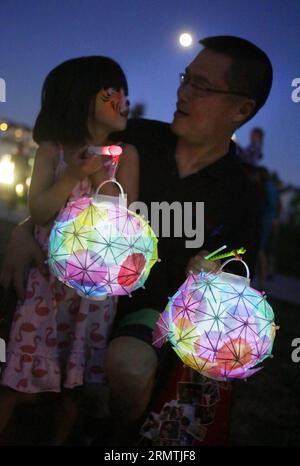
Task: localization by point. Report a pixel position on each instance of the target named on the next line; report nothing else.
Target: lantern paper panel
(218, 325)
(101, 248)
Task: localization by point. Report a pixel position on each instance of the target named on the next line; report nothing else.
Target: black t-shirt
(230, 209)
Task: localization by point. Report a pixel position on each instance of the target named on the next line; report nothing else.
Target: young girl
(57, 340)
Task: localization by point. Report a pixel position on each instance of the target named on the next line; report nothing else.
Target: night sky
(142, 35)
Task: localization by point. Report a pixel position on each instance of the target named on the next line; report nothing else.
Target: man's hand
(198, 263)
(22, 251)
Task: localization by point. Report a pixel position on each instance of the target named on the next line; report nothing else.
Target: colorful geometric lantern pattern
(218, 325)
(100, 248)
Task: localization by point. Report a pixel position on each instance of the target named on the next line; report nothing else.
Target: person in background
(270, 211)
(253, 154)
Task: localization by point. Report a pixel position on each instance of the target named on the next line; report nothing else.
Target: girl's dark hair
(68, 97)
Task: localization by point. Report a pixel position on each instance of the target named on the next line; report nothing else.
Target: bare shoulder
(130, 151)
(48, 150)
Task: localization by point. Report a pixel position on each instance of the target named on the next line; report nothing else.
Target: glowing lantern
(218, 325)
(100, 248)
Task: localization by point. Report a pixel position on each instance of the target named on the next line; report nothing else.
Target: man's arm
(22, 250)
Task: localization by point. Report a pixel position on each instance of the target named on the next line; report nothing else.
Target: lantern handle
(112, 180)
(235, 259)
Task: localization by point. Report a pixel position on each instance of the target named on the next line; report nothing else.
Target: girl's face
(111, 110)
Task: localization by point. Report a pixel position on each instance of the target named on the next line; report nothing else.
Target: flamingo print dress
(57, 338)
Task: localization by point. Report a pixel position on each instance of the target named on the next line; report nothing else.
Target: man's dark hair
(251, 70)
(69, 95)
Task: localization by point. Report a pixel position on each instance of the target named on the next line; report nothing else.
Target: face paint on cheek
(120, 103)
(113, 96)
(117, 99)
(107, 94)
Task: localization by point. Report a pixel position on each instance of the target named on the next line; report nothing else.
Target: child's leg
(9, 399)
(67, 415)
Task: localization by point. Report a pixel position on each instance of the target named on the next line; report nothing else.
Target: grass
(266, 408)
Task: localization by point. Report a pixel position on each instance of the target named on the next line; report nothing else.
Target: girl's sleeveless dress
(57, 338)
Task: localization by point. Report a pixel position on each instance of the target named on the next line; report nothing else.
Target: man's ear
(244, 108)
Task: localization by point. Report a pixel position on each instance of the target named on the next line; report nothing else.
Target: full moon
(185, 39)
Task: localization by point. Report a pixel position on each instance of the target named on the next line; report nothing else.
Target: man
(190, 160)
(253, 154)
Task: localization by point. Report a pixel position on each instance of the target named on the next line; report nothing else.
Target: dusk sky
(142, 35)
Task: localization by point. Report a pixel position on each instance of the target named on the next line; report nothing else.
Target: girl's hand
(198, 263)
(84, 164)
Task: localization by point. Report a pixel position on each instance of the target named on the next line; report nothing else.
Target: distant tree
(138, 110)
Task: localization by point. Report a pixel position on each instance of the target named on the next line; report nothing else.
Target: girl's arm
(47, 195)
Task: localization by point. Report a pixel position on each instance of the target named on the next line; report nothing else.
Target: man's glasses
(201, 90)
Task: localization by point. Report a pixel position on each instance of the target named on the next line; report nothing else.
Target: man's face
(204, 116)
